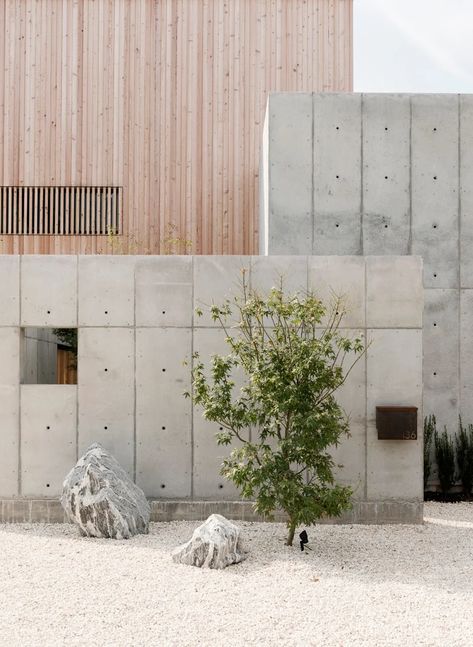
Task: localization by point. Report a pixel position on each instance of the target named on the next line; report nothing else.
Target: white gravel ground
(360, 585)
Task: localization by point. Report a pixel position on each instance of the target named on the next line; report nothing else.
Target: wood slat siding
(164, 98)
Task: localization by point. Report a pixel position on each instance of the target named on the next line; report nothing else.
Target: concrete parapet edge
(363, 512)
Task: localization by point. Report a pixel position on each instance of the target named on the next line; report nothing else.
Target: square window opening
(48, 355)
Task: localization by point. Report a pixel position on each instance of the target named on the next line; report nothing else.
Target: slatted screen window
(60, 210)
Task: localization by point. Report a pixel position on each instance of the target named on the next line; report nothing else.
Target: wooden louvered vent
(60, 210)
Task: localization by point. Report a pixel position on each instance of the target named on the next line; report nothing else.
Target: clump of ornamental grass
(445, 456)
(464, 450)
(430, 429)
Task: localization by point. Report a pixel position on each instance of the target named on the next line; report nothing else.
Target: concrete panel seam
(19, 389)
(192, 368)
(460, 390)
(134, 373)
(312, 179)
(366, 385)
(362, 206)
(270, 193)
(77, 365)
(409, 242)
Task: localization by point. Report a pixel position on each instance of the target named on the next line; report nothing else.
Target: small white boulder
(214, 544)
(102, 500)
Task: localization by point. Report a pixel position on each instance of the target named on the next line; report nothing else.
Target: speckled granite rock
(214, 544)
(99, 496)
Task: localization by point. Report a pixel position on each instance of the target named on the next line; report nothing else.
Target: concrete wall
(384, 174)
(136, 326)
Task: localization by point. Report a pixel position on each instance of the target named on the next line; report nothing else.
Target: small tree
(464, 447)
(445, 456)
(430, 427)
(292, 365)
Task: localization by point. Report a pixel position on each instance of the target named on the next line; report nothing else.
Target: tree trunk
(292, 530)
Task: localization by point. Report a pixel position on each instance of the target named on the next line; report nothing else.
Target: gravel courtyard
(360, 585)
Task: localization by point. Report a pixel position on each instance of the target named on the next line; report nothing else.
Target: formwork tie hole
(162, 485)
(435, 276)
(47, 484)
(49, 312)
(435, 324)
(220, 486)
(163, 428)
(164, 312)
(105, 427)
(337, 128)
(385, 226)
(435, 373)
(385, 177)
(385, 128)
(337, 225)
(48, 427)
(435, 130)
(163, 370)
(106, 312)
(434, 226)
(435, 177)
(337, 176)
(105, 369)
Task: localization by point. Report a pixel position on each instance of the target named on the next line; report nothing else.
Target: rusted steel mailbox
(396, 423)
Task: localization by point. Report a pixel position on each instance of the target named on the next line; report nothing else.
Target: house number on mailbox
(396, 423)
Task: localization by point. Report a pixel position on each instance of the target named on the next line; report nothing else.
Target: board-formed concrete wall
(135, 317)
(383, 174)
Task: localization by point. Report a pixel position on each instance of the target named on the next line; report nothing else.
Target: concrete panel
(106, 356)
(337, 174)
(163, 287)
(217, 278)
(466, 355)
(268, 271)
(10, 290)
(350, 455)
(386, 173)
(290, 173)
(10, 408)
(394, 377)
(350, 460)
(48, 437)
(435, 186)
(466, 190)
(106, 291)
(106, 391)
(106, 416)
(441, 356)
(10, 356)
(49, 291)
(344, 276)
(208, 456)
(394, 292)
(163, 415)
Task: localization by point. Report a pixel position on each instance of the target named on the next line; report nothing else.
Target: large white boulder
(214, 544)
(99, 496)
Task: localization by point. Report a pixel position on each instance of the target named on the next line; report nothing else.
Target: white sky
(413, 45)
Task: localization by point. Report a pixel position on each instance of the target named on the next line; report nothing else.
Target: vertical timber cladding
(164, 98)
